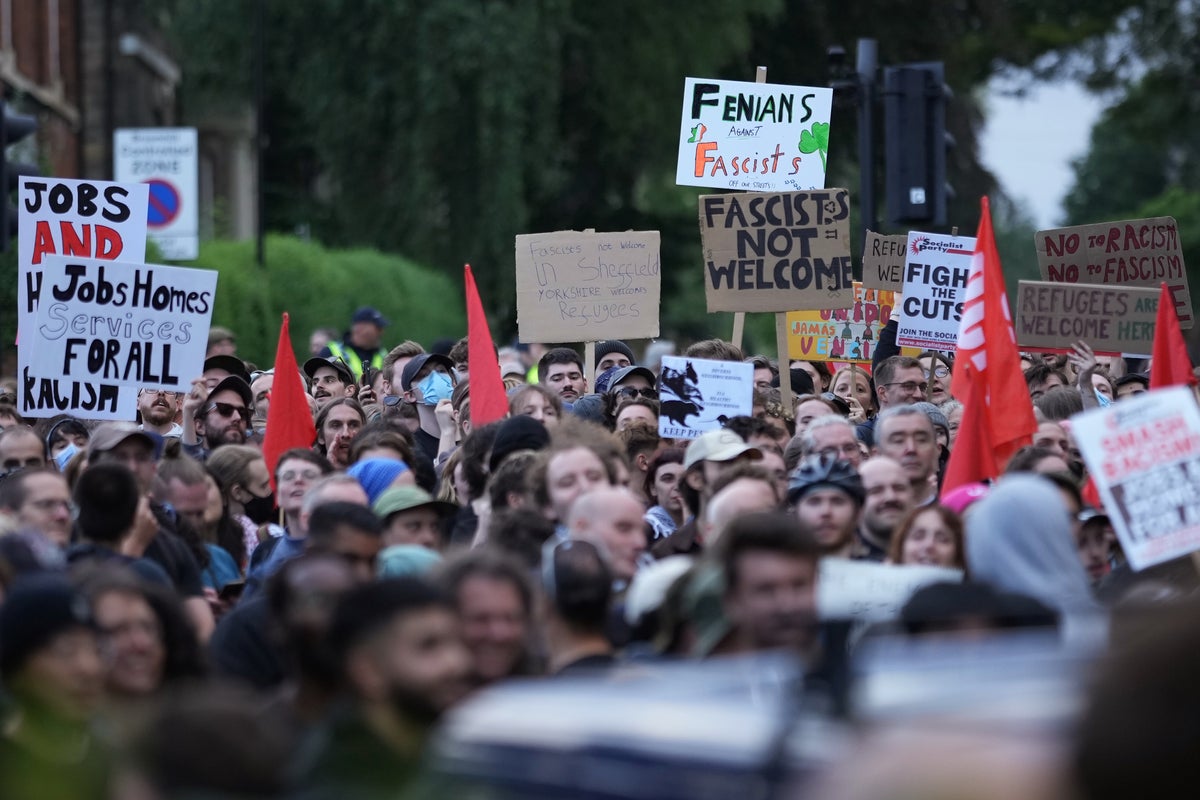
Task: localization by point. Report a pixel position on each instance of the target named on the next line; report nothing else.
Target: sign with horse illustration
(698, 395)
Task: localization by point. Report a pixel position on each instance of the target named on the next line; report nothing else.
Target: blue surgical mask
(65, 455)
(1103, 400)
(436, 386)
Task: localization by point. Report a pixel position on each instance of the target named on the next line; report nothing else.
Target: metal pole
(260, 37)
(866, 64)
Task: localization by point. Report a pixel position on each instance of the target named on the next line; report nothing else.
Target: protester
(666, 512)
(410, 515)
(937, 370)
(330, 379)
(337, 425)
(242, 473)
(853, 384)
(537, 402)
(888, 497)
(38, 498)
(906, 434)
(427, 380)
(899, 380)
(931, 535)
(578, 586)
(157, 409)
(826, 497)
(611, 519)
(744, 489)
(21, 448)
(561, 370)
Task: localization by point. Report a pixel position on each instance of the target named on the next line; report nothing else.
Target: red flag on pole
(289, 419)
(973, 457)
(489, 402)
(1170, 365)
(987, 365)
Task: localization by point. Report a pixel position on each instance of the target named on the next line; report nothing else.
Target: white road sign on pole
(165, 159)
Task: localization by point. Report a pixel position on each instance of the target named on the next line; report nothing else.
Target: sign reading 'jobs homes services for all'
(753, 136)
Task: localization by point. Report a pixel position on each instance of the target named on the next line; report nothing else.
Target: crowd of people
(180, 617)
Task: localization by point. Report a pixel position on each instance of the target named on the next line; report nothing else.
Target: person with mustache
(889, 496)
(158, 409)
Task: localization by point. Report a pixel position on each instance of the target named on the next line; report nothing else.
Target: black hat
(517, 433)
(624, 372)
(1133, 377)
(316, 362)
(802, 382)
(235, 384)
(371, 315)
(613, 346)
(39, 608)
(417, 364)
(231, 364)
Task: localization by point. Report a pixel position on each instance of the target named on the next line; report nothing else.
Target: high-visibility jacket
(352, 360)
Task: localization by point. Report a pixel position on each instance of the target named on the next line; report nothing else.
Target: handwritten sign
(846, 334)
(84, 219)
(1114, 320)
(135, 325)
(1144, 456)
(1134, 252)
(777, 251)
(753, 136)
(870, 592)
(696, 394)
(883, 261)
(577, 286)
(935, 281)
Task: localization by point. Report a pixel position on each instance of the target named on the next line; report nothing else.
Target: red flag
(289, 419)
(1170, 365)
(973, 457)
(489, 402)
(987, 356)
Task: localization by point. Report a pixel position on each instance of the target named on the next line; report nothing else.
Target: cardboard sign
(575, 286)
(1144, 455)
(1134, 252)
(871, 592)
(84, 219)
(753, 136)
(777, 252)
(1114, 320)
(846, 334)
(935, 282)
(135, 325)
(883, 261)
(696, 394)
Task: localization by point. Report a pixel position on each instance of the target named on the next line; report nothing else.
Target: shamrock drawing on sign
(816, 140)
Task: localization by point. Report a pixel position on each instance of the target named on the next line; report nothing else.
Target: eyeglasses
(911, 386)
(390, 400)
(847, 449)
(228, 410)
(630, 391)
(939, 372)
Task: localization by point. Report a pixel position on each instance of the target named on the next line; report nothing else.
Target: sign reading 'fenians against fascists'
(777, 251)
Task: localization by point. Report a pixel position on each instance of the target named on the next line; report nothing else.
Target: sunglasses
(390, 400)
(630, 391)
(228, 410)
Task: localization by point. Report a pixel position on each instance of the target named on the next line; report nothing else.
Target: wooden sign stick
(589, 365)
(739, 317)
(785, 372)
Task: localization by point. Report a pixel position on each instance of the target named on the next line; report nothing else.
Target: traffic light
(915, 97)
(13, 128)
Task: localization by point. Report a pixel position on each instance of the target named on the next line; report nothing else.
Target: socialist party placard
(935, 282)
(136, 325)
(84, 219)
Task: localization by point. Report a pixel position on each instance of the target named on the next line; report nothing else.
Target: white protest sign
(757, 136)
(1144, 456)
(166, 159)
(871, 592)
(575, 286)
(696, 394)
(935, 283)
(85, 219)
(135, 325)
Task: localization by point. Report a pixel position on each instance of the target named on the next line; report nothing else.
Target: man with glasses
(38, 498)
(832, 437)
(221, 416)
(157, 408)
(627, 383)
(899, 381)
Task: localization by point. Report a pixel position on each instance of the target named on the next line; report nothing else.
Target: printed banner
(1113, 320)
(846, 334)
(777, 252)
(1144, 456)
(935, 281)
(136, 325)
(870, 592)
(83, 219)
(576, 286)
(697, 395)
(1133, 252)
(753, 136)
(883, 261)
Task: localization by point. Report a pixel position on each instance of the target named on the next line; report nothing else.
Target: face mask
(64, 456)
(1103, 400)
(436, 386)
(260, 510)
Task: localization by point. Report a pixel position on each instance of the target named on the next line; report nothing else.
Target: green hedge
(321, 287)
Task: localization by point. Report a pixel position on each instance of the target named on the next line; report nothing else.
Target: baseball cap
(39, 608)
(235, 384)
(624, 372)
(108, 435)
(406, 498)
(316, 362)
(417, 364)
(231, 364)
(719, 445)
(1133, 377)
(371, 315)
